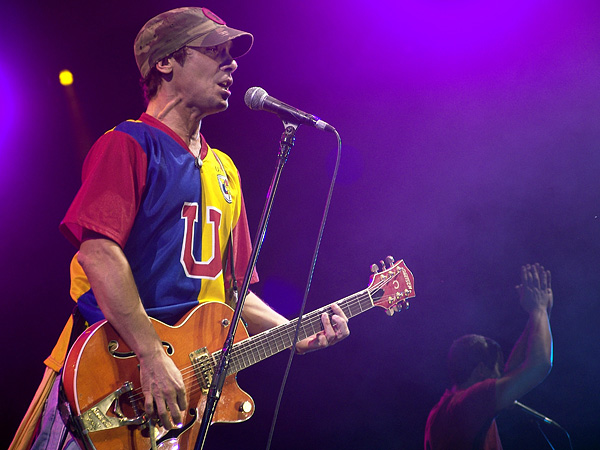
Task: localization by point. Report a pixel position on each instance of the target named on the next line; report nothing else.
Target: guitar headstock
(391, 287)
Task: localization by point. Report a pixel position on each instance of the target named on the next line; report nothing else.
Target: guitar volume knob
(246, 407)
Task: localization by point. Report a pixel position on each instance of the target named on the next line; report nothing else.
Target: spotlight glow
(65, 77)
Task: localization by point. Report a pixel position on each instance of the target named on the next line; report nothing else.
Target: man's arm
(518, 352)
(111, 279)
(531, 358)
(517, 355)
(261, 317)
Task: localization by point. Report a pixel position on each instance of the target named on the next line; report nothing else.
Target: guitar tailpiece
(96, 418)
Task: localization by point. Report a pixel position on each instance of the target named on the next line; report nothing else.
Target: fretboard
(263, 345)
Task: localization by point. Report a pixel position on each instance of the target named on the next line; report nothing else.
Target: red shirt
(464, 419)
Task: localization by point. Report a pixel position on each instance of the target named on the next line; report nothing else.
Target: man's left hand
(334, 330)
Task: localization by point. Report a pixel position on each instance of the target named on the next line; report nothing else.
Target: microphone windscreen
(255, 97)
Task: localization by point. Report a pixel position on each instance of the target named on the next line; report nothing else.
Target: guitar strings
(254, 344)
(250, 344)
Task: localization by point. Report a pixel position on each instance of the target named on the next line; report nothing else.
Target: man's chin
(220, 107)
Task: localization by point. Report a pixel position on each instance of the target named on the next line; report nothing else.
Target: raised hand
(535, 288)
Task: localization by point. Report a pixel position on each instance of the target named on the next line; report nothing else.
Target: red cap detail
(212, 16)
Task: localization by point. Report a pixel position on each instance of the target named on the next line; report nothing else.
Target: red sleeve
(242, 248)
(113, 180)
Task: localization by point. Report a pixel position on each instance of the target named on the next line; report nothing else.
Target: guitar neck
(263, 345)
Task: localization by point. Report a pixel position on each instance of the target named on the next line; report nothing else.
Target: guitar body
(100, 363)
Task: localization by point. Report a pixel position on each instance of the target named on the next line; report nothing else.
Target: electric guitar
(101, 376)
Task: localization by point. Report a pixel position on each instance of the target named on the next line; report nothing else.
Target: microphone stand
(285, 145)
(545, 419)
(536, 414)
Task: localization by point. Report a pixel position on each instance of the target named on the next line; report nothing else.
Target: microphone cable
(308, 283)
(541, 418)
(539, 425)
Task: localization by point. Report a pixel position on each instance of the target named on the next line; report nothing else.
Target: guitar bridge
(203, 367)
(96, 418)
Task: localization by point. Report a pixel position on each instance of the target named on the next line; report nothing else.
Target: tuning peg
(382, 264)
(389, 260)
(374, 268)
(393, 309)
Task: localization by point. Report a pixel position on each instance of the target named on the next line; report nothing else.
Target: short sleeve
(113, 181)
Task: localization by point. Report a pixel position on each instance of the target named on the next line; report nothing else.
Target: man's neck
(182, 121)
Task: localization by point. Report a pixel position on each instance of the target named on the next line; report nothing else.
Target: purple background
(471, 145)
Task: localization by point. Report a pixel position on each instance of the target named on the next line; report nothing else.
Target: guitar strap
(64, 409)
(79, 325)
(232, 297)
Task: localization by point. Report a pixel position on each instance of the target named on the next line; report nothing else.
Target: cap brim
(242, 41)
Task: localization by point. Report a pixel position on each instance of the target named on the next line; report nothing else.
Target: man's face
(204, 80)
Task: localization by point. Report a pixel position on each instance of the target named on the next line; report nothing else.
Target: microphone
(257, 98)
(536, 414)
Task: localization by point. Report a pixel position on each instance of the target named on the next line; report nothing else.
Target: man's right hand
(163, 388)
(531, 357)
(535, 289)
(110, 277)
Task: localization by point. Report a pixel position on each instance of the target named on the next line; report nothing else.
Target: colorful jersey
(464, 419)
(173, 218)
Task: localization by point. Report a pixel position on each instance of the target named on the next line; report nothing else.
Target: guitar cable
(308, 284)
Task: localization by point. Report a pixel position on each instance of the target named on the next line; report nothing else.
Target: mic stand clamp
(214, 393)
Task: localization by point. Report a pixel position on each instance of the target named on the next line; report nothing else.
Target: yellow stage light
(65, 77)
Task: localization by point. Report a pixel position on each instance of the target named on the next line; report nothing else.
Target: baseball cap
(193, 26)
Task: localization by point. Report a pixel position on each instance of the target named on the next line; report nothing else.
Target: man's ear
(164, 66)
